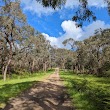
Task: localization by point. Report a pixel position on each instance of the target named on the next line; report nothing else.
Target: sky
(57, 25)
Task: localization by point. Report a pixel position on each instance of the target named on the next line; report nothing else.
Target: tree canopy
(83, 13)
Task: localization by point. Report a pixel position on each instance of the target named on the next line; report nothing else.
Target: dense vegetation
(92, 55)
(22, 49)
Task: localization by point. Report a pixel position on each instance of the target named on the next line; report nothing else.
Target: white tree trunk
(5, 71)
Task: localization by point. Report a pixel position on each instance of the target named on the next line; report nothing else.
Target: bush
(96, 96)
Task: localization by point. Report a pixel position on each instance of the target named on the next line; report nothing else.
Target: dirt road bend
(44, 95)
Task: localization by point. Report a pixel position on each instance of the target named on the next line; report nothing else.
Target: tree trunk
(6, 68)
(76, 68)
(73, 68)
(64, 66)
(3, 70)
(83, 70)
(45, 66)
(79, 68)
(32, 69)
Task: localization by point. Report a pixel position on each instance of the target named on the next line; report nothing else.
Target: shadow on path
(46, 95)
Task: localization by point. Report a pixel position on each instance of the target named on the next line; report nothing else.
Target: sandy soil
(44, 95)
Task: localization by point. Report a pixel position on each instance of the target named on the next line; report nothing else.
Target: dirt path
(45, 95)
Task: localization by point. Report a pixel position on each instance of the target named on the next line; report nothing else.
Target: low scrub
(88, 92)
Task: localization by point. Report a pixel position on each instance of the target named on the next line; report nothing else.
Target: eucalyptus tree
(73, 48)
(97, 46)
(21, 47)
(40, 52)
(24, 48)
(81, 52)
(103, 48)
(61, 57)
(92, 54)
(45, 52)
(12, 21)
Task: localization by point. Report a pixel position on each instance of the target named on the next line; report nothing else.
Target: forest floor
(88, 92)
(49, 94)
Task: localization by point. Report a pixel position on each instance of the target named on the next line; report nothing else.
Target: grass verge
(87, 92)
(13, 87)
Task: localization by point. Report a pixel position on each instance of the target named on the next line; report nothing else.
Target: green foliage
(91, 55)
(88, 92)
(52, 3)
(69, 63)
(21, 47)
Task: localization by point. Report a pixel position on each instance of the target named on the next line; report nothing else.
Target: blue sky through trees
(57, 25)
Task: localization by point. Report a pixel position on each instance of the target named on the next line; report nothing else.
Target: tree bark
(45, 67)
(6, 68)
(32, 69)
(10, 56)
(3, 70)
(83, 69)
(73, 68)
